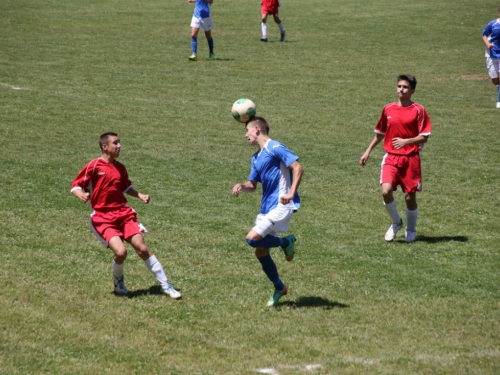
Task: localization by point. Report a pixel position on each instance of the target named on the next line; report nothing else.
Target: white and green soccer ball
(243, 110)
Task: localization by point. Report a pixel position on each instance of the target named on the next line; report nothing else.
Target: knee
(495, 81)
(143, 252)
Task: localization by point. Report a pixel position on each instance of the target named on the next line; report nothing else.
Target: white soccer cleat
(393, 230)
(410, 235)
(498, 104)
(120, 287)
(170, 291)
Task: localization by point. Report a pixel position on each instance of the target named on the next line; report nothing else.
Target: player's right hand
(84, 197)
(236, 190)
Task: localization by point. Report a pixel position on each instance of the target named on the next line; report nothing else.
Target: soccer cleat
(120, 287)
(393, 229)
(282, 39)
(263, 39)
(498, 104)
(211, 56)
(193, 57)
(289, 250)
(410, 235)
(170, 291)
(274, 300)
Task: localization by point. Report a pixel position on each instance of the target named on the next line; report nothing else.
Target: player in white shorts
(491, 38)
(202, 19)
(278, 170)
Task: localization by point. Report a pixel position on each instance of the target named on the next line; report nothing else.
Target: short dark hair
(411, 79)
(261, 123)
(103, 139)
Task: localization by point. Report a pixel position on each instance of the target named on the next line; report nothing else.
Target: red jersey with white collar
(107, 183)
(403, 122)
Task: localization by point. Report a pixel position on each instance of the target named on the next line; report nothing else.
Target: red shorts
(122, 223)
(402, 170)
(270, 7)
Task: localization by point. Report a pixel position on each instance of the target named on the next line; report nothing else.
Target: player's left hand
(398, 143)
(144, 197)
(285, 199)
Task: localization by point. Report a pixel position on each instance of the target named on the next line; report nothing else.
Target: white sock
(393, 212)
(157, 270)
(118, 270)
(411, 220)
(282, 28)
(264, 29)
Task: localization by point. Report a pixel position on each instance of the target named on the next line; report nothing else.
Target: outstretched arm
(134, 193)
(376, 140)
(247, 187)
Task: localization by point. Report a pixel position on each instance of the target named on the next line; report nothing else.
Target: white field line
(12, 87)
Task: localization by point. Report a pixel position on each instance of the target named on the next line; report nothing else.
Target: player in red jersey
(404, 126)
(271, 7)
(104, 181)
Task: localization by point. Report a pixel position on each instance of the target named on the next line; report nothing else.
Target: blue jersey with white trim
(201, 9)
(492, 31)
(270, 167)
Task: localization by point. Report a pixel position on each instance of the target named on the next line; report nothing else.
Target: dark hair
(412, 80)
(103, 139)
(260, 122)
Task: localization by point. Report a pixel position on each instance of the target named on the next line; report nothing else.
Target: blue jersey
(201, 9)
(492, 31)
(270, 167)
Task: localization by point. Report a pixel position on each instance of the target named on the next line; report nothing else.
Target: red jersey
(106, 181)
(403, 122)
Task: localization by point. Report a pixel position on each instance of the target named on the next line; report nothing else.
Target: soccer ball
(243, 110)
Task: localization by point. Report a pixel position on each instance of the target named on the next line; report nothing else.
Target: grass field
(71, 70)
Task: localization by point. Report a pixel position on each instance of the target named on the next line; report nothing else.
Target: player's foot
(193, 57)
(170, 291)
(211, 56)
(120, 287)
(498, 104)
(289, 250)
(263, 39)
(282, 39)
(274, 300)
(393, 229)
(410, 235)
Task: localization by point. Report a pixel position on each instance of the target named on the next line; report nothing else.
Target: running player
(271, 7)
(201, 19)
(491, 38)
(103, 182)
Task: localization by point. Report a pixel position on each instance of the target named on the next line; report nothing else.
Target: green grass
(70, 70)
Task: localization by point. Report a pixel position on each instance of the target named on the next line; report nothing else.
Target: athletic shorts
(274, 222)
(402, 170)
(270, 7)
(202, 23)
(121, 222)
(493, 66)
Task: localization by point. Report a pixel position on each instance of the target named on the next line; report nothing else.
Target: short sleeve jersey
(270, 167)
(106, 181)
(201, 9)
(403, 122)
(492, 31)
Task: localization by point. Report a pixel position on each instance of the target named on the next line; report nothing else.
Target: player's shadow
(441, 239)
(314, 302)
(154, 290)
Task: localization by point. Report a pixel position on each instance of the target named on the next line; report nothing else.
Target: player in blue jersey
(278, 170)
(491, 38)
(201, 19)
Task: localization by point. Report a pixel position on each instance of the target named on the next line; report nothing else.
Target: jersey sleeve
(424, 126)
(83, 178)
(254, 174)
(280, 151)
(487, 30)
(381, 127)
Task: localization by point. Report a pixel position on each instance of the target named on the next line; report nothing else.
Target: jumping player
(278, 170)
(271, 7)
(404, 126)
(201, 19)
(104, 181)
(491, 38)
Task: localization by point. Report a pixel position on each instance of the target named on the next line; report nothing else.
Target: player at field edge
(491, 38)
(103, 182)
(271, 7)
(202, 18)
(278, 170)
(404, 126)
